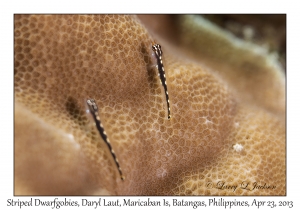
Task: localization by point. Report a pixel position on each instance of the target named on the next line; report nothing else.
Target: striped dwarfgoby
(161, 73)
(94, 112)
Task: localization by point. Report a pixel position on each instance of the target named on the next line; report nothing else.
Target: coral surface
(223, 92)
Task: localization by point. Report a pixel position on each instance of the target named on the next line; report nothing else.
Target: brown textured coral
(61, 60)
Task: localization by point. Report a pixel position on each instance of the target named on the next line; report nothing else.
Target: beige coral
(61, 60)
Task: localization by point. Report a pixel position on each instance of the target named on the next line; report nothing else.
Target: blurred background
(267, 31)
